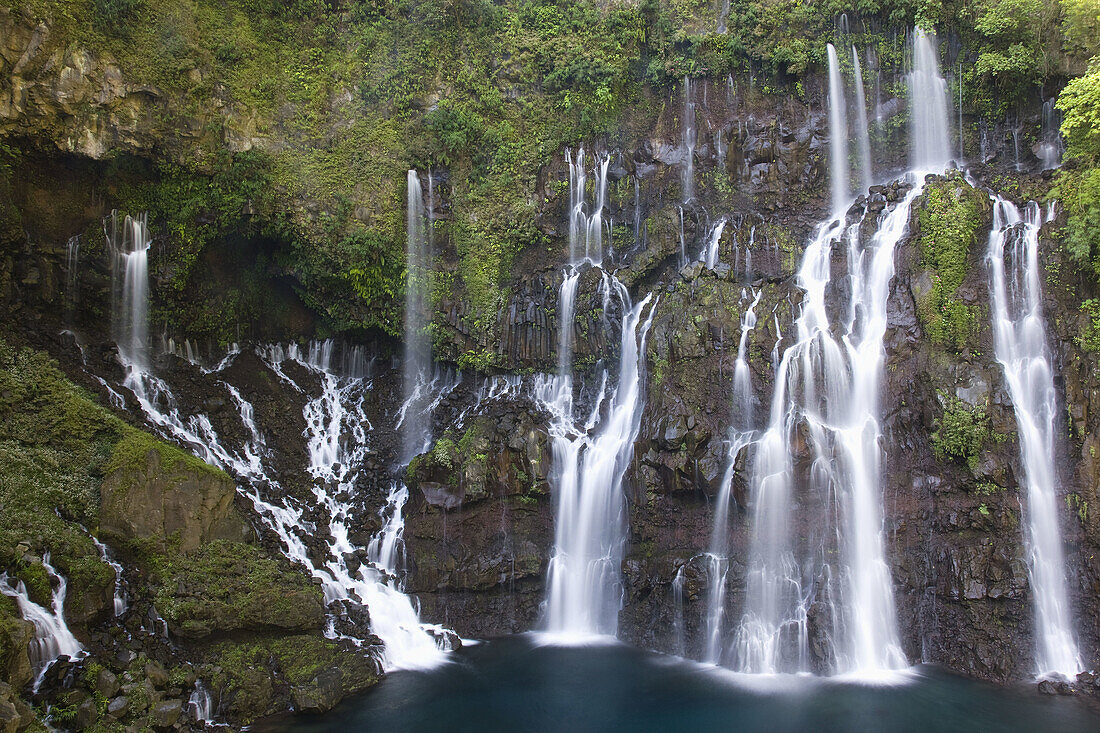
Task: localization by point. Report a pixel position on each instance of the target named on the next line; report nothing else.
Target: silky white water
(128, 244)
(1051, 147)
(826, 393)
(866, 167)
(201, 704)
(838, 135)
(929, 137)
(417, 356)
(710, 253)
(590, 455)
(1019, 339)
(586, 221)
(741, 435)
(52, 638)
(687, 150)
(120, 599)
(336, 433)
(826, 389)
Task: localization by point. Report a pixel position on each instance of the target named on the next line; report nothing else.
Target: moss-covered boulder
(155, 491)
(231, 586)
(262, 676)
(15, 635)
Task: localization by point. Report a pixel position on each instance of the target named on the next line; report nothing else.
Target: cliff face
(258, 244)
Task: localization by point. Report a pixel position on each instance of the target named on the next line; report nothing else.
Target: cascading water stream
(826, 387)
(336, 440)
(826, 393)
(337, 430)
(52, 638)
(583, 585)
(710, 253)
(741, 435)
(201, 704)
(120, 599)
(687, 151)
(1051, 146)
(929, 137)
(838, 135)
(417, 358)
(128, 243)
(866, 167)
(1019, 338)
(586, 230)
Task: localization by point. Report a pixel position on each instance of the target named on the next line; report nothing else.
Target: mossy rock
(260, 676)
(952, 215)
(155, 491)
(15, 635)
(229, 586)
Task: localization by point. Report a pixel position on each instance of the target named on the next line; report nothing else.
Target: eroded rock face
(161, 496)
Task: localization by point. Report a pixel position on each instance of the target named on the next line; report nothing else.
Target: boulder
(319, 694)
(165, 714)
(15, 715)
(155, 491)
(118, 707)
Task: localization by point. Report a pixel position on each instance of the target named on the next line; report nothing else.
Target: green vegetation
(326, 103)
(55, 442)
(225, 586)
(135, 445)
(1078, 187)
(357, 93)
(961, 431)
(949, 223)
(249, 673)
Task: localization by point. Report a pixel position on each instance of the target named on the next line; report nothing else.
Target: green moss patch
(228, 586)
(133, 450)
(962, 431)
(950, 220)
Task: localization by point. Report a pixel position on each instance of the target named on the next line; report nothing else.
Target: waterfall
(201, 705)
(417, 360)
(583, 585)
(120, 600)
(929, 138)
(741, 435)
(710, 252)
(337, 431)
(866, 167)
(826, 393)
(678, 635)
(1019, 338)
(586, 230)
(687, 149)
(52, 638)
(838, 135)
(1051, 146)
(567, 297)
(128, 244)
(72, 275)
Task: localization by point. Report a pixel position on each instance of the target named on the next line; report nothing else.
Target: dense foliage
(482, 93)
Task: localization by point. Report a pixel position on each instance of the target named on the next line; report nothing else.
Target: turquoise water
(516, 685)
